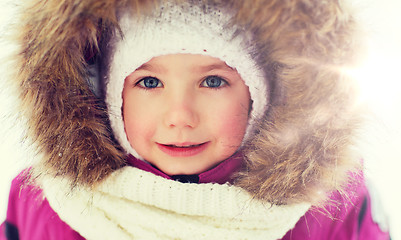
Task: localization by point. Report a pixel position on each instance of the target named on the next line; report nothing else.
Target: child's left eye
(213, 82)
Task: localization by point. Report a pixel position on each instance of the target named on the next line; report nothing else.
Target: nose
(181, 111)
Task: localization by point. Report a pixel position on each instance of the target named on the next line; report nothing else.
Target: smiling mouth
(182, 150)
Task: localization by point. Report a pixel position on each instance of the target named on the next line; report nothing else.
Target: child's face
(185, 113)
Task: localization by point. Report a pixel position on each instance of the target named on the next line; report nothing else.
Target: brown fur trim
(302, 150)
(66, 121)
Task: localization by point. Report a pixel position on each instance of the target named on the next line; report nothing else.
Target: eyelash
(141, 83)
(223, 83)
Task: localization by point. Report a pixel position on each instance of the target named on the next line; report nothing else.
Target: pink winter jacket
(30, 216)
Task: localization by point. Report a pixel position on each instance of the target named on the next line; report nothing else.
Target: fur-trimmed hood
(302, 149)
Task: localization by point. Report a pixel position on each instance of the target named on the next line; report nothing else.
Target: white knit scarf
(134, 204)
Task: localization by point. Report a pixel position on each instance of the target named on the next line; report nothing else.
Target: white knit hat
(173, 29)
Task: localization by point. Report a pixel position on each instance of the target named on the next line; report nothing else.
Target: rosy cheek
(139, 135)
(231, 126)
(137, 125)
(130, 129)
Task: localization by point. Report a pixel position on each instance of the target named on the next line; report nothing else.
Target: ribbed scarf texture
(134, 204)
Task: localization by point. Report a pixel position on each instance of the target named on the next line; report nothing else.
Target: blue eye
(213, 82)
(150, 82)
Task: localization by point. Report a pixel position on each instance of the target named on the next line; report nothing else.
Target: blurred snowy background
(380, 82)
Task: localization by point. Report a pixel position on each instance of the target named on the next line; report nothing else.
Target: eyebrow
(216, 66)
(151, 67)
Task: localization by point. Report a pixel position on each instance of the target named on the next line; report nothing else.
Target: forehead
(194, 62)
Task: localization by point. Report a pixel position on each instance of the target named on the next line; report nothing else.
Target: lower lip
(182, 152)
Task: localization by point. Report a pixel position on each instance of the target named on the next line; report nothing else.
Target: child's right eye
(149, 82)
